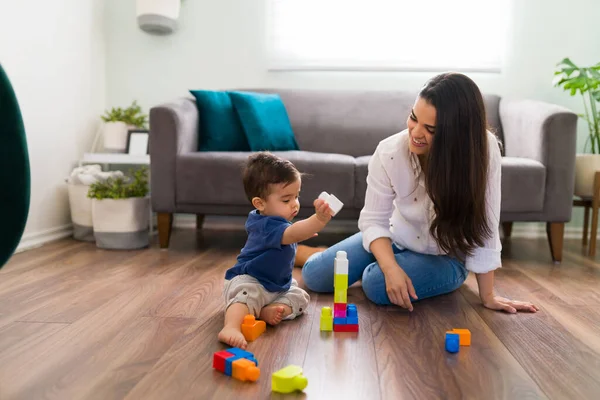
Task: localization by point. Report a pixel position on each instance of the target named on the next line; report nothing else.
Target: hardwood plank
(339, 364)
(185, 371)
(31, 259)
(549, 352)
(86, 338)
(20, 336)
(414, 364)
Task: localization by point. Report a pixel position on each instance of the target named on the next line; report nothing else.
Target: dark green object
(15, 180)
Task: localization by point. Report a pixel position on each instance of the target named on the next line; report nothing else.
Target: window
(416, 35)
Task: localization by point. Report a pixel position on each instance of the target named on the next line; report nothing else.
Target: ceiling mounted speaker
(158, 16)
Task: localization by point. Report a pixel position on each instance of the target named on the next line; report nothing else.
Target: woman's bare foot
(233, 337)
(303, 252)
(274, 313)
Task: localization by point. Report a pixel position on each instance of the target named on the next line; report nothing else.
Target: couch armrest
(546, 133)
(173, 131)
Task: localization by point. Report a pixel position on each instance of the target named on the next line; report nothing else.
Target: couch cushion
(353, 122)
(265, 121)
(360, 174)
(523, 185)
(216, 177)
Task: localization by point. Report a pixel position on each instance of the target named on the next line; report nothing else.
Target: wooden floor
(77, 322)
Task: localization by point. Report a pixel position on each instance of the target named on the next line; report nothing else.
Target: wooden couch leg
(165, 223)
(507, 229)
(555, 232)
(199, 221)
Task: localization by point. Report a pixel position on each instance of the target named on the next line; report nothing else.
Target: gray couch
(337, 131)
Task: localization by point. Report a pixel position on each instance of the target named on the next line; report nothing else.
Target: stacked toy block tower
(345, 316)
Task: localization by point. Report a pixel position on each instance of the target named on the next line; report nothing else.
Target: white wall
(53, 52)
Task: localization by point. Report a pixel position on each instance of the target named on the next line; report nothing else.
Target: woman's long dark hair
(457, 164)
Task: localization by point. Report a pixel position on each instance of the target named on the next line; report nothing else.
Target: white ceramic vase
(158, 16)
(121, 223)
(115, 137)
(586, 166)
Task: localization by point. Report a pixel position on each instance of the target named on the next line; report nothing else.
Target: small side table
(593, 203)
(107, 159)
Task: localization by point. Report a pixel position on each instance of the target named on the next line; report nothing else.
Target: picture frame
(138, 142)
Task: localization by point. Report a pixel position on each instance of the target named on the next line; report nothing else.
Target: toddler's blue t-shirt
(264, 257)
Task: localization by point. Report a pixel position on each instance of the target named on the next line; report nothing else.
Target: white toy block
(340, 264)
(334, 203)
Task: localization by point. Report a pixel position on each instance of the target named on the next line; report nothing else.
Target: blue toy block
(352, 320)
(228, 366)
(452, 342)
(339, 321)
(243, 354)
(351, 310)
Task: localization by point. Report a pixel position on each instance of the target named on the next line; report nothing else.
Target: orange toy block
(244, 370)
(251, 328)
(465, 336)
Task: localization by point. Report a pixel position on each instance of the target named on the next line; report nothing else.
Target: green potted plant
(584, 81)
(117, 122)
(120, 211)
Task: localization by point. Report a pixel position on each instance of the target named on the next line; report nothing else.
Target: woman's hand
(510, 306)
(399, 286)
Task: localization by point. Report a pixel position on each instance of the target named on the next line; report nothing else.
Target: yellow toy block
(340, 296)
(326, 319)
(465, 336)
(341, 282)
(288, 380)
(244, 370)
(251, 328)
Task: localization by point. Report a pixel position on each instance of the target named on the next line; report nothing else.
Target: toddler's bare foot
(274, 313)
(233, 337)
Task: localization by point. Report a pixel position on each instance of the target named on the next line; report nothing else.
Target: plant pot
(81, 212)
(158, 16)
(586, 166)
(121, 224)
(115, 137)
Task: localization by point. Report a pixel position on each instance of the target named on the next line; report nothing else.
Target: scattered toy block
(465, 336)
(288, 380)
(243, 354)
(245, 370)
(452, 342)
(219, 360)
(334, 203)
(228, 364)
(251, 328)
(326, 319)
(345, 328)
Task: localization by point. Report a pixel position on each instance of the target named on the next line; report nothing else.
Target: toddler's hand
(322, 210)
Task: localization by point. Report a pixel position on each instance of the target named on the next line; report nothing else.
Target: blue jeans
(431, 275)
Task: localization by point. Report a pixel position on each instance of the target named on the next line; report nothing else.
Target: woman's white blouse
(397, 205)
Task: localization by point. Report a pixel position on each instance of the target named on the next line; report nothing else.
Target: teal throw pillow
(265, 121)
(220, 128)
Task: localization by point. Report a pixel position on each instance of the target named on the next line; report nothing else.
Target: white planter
(586, 166)
(158, 16)
(81, 212)
(121, 223)
(115, 137)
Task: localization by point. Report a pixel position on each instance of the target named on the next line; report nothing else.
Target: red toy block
(219, 360)
(339, 307)
(345, 328)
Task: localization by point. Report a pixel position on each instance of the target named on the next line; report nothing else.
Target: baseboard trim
(37, 239)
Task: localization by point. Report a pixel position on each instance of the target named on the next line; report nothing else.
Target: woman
(432, 206)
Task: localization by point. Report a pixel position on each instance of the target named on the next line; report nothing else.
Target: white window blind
(420, 35)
